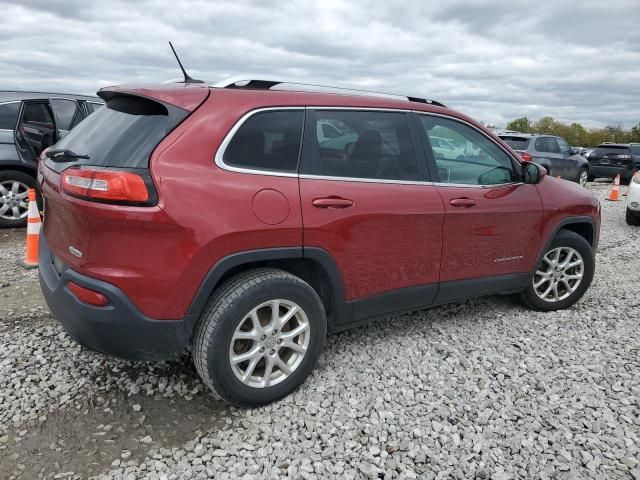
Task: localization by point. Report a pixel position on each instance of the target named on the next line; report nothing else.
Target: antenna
(187, 78)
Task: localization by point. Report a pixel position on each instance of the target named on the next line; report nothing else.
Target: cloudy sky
(573, 60)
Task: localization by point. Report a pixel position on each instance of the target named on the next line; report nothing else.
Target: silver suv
(29, 123)
(551, 152)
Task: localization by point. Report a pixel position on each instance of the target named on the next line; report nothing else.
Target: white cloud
(494, 61)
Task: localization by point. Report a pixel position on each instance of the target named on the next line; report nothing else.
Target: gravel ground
(481, 389)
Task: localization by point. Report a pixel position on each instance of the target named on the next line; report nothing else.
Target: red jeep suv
(244, 221)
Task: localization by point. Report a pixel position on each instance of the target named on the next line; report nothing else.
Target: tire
(567, 240)
(228, 314)
(632, 218)
(9, 177)
(591, 178)
(583, 177)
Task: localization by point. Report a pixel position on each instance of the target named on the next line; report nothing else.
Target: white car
(633, 201)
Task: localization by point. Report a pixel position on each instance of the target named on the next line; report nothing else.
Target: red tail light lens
(525, 156)
(86, 295)
(107, 185)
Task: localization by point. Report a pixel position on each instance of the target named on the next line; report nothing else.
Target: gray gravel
(482, 389)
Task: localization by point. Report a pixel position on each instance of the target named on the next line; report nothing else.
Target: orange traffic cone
(33, 233)
(614, 194)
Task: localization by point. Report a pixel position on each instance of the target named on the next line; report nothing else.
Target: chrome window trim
(7, 103)
(227, 139)
(308, 176)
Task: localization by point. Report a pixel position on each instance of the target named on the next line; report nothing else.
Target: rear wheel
(14, 203)
(260, 337)
(563, 275)
(633, 218)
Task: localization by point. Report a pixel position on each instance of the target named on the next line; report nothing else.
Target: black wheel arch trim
(341, 308)
(562, 224)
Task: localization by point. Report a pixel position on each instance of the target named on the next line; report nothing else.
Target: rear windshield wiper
(63, 155)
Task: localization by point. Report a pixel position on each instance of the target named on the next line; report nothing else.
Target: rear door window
(541, 145)
(9, 115)
(371, 145)
(37, 114)
(123, 134)
(93, 106)
(65, 111)
(552, 145)
(268, 141)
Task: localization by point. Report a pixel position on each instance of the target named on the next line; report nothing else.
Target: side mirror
(575, 151)
(532, 173)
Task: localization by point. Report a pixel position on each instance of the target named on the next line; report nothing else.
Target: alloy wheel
(14, 203)
(270, 343)
(559, 274)
(584, 178)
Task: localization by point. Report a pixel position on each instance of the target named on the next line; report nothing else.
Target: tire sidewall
(218, 365)
(571, 240)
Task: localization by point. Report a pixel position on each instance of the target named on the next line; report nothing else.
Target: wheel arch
(313, 265)
(583, 226)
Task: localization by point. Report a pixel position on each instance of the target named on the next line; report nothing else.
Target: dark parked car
(552, 152)
(29, 123)
(214, 220)
(611, 159)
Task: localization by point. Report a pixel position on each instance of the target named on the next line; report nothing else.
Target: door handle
(462, 202)
(332, 202)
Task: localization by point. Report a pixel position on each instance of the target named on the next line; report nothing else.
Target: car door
(36, 129)
(370, 206)
(491, 231)
(569, 163)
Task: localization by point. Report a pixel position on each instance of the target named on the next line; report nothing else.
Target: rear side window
(517, 143)
(267, 141)
(93, 106)
(9, 115)
(123, 134)
(371, 145)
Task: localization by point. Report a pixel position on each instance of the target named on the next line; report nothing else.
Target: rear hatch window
(611, 154)
(517, 143)
(123, 134)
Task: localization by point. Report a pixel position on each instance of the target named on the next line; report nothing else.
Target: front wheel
(633, 218)
(563, 275)
(259, 337)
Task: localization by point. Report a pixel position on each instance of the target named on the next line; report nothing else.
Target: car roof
(17, 95)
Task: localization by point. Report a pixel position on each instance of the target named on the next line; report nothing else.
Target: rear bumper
(119, 329)
(610, 172)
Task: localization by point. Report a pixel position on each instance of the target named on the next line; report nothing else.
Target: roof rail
(262, 82)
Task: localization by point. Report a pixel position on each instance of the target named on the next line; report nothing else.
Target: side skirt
(426, 296)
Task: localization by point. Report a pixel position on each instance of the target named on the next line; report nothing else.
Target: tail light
(525, 156)
(104, 185)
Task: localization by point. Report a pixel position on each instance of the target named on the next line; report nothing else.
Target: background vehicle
(611, 159)
(216, 219)
(29, 123)
(633, 201)
(552, 152)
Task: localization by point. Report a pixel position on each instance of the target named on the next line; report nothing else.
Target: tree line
(576, 134)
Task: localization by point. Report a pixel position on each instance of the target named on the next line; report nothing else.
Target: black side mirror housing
(532, 173)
